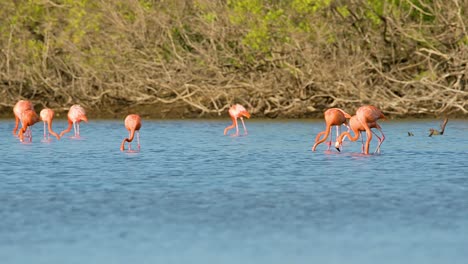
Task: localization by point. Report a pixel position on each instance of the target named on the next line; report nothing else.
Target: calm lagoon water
(193, 195)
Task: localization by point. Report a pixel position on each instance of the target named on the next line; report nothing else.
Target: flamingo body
(47, 115)
(132, 124)
(237, 111)
(366, 117)
(76, 114)
(28, 119)
(18, 110)
(357, 127)
(333, 117)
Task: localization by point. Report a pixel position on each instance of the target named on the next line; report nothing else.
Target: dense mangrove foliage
(191, 58)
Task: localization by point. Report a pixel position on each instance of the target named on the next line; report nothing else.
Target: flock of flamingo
(25, 114)
(365, 118)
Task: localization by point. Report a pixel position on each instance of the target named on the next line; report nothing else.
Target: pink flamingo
(28, 118)
(18, 110)
(237, 111)
(358, 128)
(333, 117)
(47, 115)
(132, 124)
(366, 118)
(76, 114)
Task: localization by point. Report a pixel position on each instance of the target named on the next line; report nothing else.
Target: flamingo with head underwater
(18, 110)
(133, 125)
(333, 117)
(47, 115)
(76, 114)
(366, 117)
(358, 128)
(237, 111)
(28, 119)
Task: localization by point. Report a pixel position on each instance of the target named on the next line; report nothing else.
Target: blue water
(193, 195)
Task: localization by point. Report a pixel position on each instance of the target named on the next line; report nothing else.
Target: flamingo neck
(351, 138)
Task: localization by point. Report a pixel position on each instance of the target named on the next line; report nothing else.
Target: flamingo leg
(44, 129)
(368, 140)
(338, 130)
(381, 140)
(377, 150)
(231, 126)
(362, 142)
(29, 133)
(237, 129)
(74, 128)
(45, 135)
(329, 143)
(138, 139)
(245, 129)
(129, 142)
(368, 134)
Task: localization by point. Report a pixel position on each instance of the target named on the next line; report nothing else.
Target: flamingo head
(337, 145)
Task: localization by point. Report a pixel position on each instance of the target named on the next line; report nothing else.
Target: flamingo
(76, 114)
(333, 117)
(47, 115)
(356, 124)
(18, 110)
(28, 118)
(237, 111)
(132, 124)
(365, 118)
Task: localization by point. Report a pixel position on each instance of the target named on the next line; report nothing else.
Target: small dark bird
(434, 132)
(410, 134)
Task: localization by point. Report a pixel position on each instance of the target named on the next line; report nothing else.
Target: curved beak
(246, 114)
(337, 146)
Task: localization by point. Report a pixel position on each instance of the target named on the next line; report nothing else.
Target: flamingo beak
(247, 114)
(337, 146)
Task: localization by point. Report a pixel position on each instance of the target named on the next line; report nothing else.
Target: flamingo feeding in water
(333, 117)
(365, 118)
(28, 119)
(76, 114)
(358, 128)
(18, 110)
(132, 124)
(237, 111)
(47, 115)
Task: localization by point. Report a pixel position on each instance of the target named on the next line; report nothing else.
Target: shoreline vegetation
(196, 58)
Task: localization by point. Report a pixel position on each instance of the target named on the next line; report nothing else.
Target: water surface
(193, 195)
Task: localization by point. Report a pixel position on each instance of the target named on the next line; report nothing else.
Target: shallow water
(193, 195)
